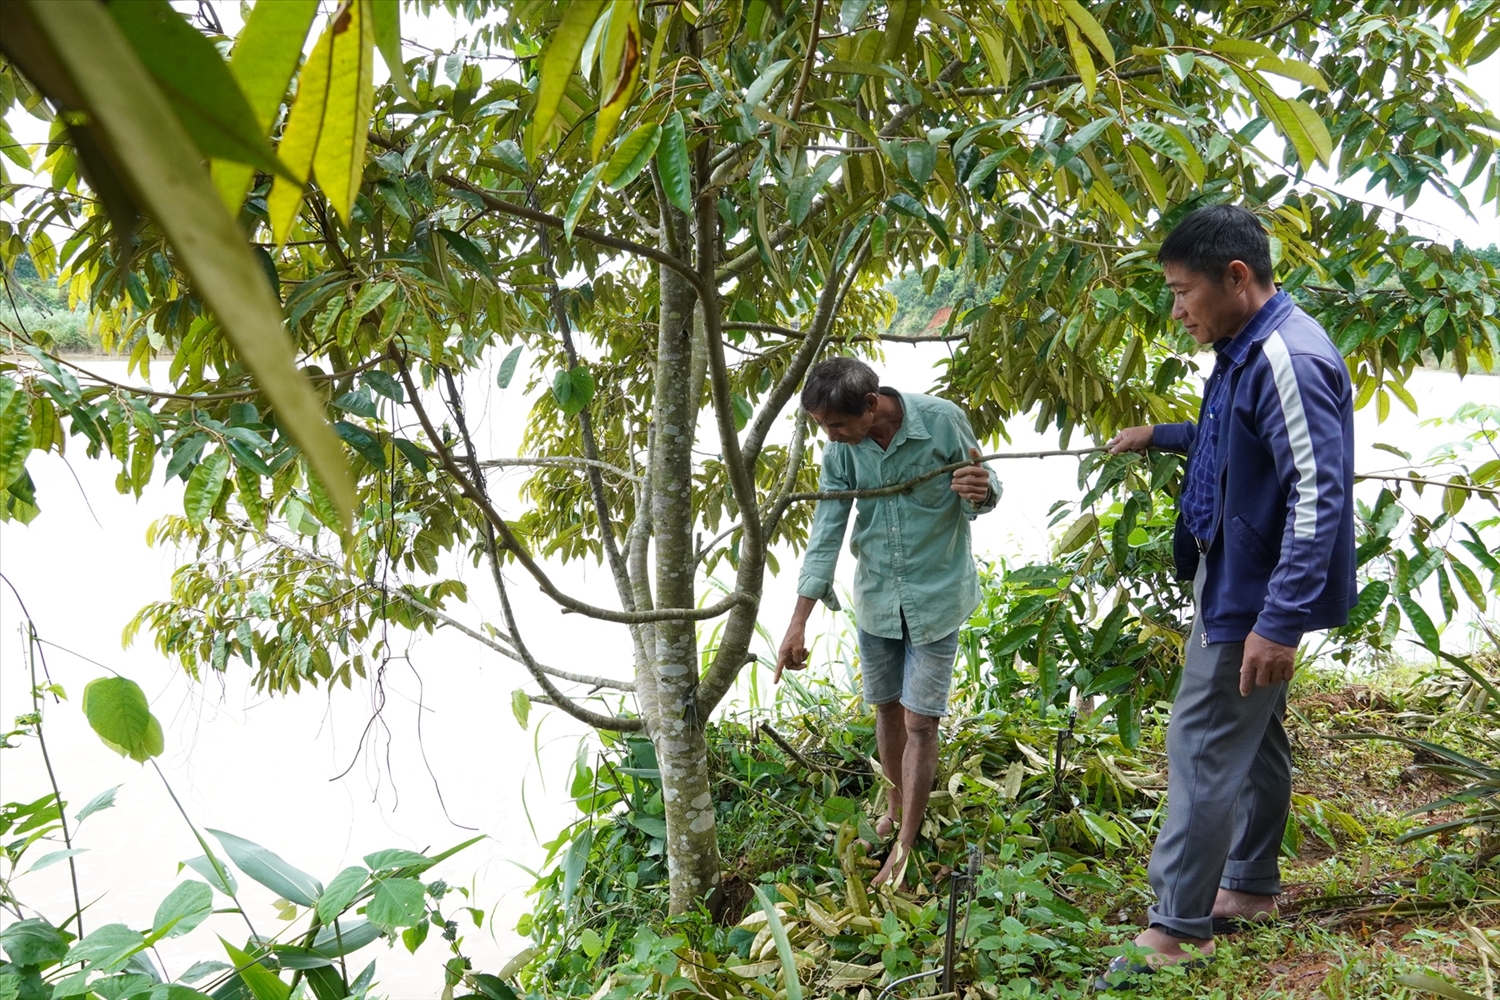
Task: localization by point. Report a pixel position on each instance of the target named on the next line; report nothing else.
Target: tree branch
(568, 461)
(1419, 481)
(592, 235)
(787, 331)
(205, 397)
(1052, 81)
(807, 63)
(741, 481)
(514, 546)
(560, 700)
(828, 303)
(617, 565)
(910, 484)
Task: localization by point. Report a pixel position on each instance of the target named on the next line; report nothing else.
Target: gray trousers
(1229, 789)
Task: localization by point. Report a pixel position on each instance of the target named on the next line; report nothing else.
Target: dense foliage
(671, 210)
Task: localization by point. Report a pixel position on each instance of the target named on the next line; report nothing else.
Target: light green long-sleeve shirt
(911, 550)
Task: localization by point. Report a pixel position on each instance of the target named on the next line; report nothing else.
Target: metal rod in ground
(954, 879)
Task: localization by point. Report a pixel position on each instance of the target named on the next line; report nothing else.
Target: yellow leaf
(339, 162)
(264, 59)
(1315, 128)
(1082, 60)
(1091, 29)
(1293, 69)
(619, 70)
(1155, 183)
(299, 140)
(994, 54)
(557, 64)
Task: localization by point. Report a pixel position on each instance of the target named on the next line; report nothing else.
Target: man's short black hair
(1210, 237)
(839, 385)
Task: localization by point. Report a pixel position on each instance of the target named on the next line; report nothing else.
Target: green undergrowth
(1056, 816)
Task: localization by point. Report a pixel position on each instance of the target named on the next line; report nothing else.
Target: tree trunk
(677, 729)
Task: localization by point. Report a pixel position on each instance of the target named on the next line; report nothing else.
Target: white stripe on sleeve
(1305, 523)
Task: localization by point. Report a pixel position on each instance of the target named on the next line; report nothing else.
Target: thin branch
(910, 484)
(1283, 24)
(514, 546)
(607, 539)
(828, 306)
(787, 331)
(807, 63)
(592, 235)
(1051, 81)
(208, 397)
(567, 461)
(492, 552)
(1419, 481)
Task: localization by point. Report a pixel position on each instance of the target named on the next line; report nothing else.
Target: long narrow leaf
(264, 59)
(558, 63)
(783, 945)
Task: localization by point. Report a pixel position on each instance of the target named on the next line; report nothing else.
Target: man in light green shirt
(914, 579)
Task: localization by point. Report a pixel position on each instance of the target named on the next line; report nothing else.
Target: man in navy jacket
(1266, 532)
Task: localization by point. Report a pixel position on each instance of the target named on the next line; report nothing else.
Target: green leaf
(373, 295)
(412, 454)
(743, 411)
(520, 707)
(117, 709)
(16, 437)
(1171, 143)
(197, 83)
(631, 156)
(262, 983)
(264, 58)
(672, 163)
(98, 803)
(162, 164)
(341, 892)
(468, 253)
(582, 195)
(270, 870)
(185, 907)
(53, 857)
(556, 66)
(386, 15)
(792, 984)
(219, 876)
(1081, 59)
(573, 390)
(398, 902)
(345, 937)
(1090, 28)
(33, 942)
(921, 160)
(385, 385)
(106, 949)
(362, 441)
(397, 857)
(204, 486)
(900, 31)
(1436, 986)
(508, 367)
(851, 12)
(619, 71)
(1420, 622)
(574, 864)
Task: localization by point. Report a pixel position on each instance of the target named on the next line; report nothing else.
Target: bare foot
(1168, 949)
(1244, 906)
(885, 826)
(894, 869)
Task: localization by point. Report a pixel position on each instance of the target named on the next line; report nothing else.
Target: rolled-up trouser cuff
(1201, 928)
(1259, 878)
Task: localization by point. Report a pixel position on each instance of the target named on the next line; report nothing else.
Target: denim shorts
(898, 668)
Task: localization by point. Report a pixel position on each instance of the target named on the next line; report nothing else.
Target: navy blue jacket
(1281, 553)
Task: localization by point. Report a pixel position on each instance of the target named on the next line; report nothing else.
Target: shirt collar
(912, 425)
(1235, 349)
